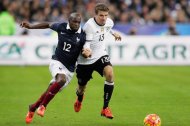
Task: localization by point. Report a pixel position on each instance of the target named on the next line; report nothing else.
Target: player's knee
(62, 82)
(108, 73)
(82, 82)
(109, 77)
(61, 79)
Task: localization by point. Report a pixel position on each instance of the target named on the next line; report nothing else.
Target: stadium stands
(131, 12)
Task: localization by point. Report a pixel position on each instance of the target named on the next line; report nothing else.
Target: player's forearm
(87, 44)
(111, 32)
(40, 26)
(87, 52)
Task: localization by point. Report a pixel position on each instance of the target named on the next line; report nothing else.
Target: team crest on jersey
(78, 39)
(108, 28)
(102, 29)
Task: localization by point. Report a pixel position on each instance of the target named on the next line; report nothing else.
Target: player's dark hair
(101, 7)
(74, 15)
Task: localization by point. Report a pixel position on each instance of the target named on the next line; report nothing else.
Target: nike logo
(62, 33)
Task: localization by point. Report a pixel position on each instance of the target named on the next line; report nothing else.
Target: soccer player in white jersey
(96, 30)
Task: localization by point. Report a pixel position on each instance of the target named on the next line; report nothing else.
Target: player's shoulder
(109, 21)
(90, 21)
(63, 24)
(59, 25)
(89, 25)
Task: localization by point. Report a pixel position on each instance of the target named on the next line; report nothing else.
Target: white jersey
(96, 34)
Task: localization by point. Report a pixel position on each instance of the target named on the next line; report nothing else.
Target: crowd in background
(122, 11)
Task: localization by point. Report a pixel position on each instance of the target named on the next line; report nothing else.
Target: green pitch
(138, 91)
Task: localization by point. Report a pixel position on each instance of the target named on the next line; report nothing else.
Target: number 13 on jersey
(101, 37)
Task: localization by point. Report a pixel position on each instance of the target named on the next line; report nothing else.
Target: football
(152, 120)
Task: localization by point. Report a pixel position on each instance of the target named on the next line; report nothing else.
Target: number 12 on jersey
(66, 47)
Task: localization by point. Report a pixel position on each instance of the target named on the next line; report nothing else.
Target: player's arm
(86, 51)
(116, 35)
(27, 25)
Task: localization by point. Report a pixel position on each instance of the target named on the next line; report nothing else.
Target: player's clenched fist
(86, 52)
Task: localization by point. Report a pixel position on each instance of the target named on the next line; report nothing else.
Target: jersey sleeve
(55, 26)
(89, 31)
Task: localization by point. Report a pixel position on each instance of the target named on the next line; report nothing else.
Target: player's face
(75, 23)
(101, 17)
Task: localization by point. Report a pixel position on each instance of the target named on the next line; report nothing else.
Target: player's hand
(25, 25)
(86, 53)
(117, 37)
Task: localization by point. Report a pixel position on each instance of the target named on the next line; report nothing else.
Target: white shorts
(57, 67)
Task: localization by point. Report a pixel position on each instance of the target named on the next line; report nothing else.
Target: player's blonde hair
(101, 7)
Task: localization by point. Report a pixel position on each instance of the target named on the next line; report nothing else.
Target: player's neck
(97, 22)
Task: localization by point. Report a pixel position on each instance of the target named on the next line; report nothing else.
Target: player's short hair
(101, 7)
(74, 15)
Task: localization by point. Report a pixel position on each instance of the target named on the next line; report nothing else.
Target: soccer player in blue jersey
(71, 39)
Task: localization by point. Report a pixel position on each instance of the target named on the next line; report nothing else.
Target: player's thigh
(57, 68)
(102, 63)
(84, 73)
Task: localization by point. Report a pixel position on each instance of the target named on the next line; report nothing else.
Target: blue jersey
(69, 45)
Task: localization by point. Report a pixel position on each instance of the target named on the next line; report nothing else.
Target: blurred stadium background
(142, 17)
(151, 63)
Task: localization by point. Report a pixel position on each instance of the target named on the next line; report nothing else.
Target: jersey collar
(68, 27)
(97, 22)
